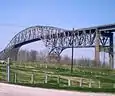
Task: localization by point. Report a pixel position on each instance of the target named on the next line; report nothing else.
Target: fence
(57, 80)
(31, 74)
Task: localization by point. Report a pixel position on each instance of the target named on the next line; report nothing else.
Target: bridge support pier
(55, 53)
(97, 49)
(111, 52)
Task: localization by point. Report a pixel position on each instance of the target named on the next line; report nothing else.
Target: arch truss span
(58, 39)
(28, 35)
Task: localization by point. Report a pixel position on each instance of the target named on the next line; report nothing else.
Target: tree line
(35, 56)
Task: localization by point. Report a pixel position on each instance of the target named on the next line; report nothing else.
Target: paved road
(15, 90)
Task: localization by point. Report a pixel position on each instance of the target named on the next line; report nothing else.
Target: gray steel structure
(57, 39)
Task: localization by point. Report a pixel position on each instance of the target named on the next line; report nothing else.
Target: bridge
(58, 39)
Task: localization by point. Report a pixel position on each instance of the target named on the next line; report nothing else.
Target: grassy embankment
(58, 77)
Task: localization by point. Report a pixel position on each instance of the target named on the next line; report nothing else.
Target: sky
(16, 15)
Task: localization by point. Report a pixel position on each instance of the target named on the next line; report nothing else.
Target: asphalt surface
(16, 90)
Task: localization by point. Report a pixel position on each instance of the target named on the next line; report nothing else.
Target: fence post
(90, 82)
(113, 85)
(32, 78)
(58, 79)
(69, 82)
(81, 80)
(8, 69)
(46, 66)
(15, 78)
(99, 84)
(46, 78)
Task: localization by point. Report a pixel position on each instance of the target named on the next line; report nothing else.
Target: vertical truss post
(56, 53)
(111, 52)
(97, 54)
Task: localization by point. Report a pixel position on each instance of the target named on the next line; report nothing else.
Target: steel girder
(29, 35)
(81, 39)
(57, 39)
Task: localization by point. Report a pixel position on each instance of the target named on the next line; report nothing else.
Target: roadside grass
(57, 86)
(58, 76)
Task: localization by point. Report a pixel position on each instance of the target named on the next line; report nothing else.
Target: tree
(23, 55)
(33, 55)
(66, 60)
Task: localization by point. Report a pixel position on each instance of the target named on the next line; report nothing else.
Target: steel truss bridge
(57, 39)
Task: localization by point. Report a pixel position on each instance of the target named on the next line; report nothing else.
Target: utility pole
(72, 51)
(97, 49)
(104, 57)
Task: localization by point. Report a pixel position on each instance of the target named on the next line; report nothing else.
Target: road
(16, 90)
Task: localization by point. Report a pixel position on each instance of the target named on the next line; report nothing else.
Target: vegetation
(32, 68)
(56, 86)
(34, 56)
(24, 72)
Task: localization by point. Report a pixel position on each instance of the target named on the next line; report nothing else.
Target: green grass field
(58, 76)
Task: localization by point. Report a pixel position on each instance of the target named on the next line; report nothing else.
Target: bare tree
(66, 60)
(33, 55)
(22, 55)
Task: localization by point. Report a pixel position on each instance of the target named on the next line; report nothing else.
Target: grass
(57, 86)
(58, 76)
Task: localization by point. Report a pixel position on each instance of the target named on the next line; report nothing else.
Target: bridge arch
(29, 35)
(57, 39)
